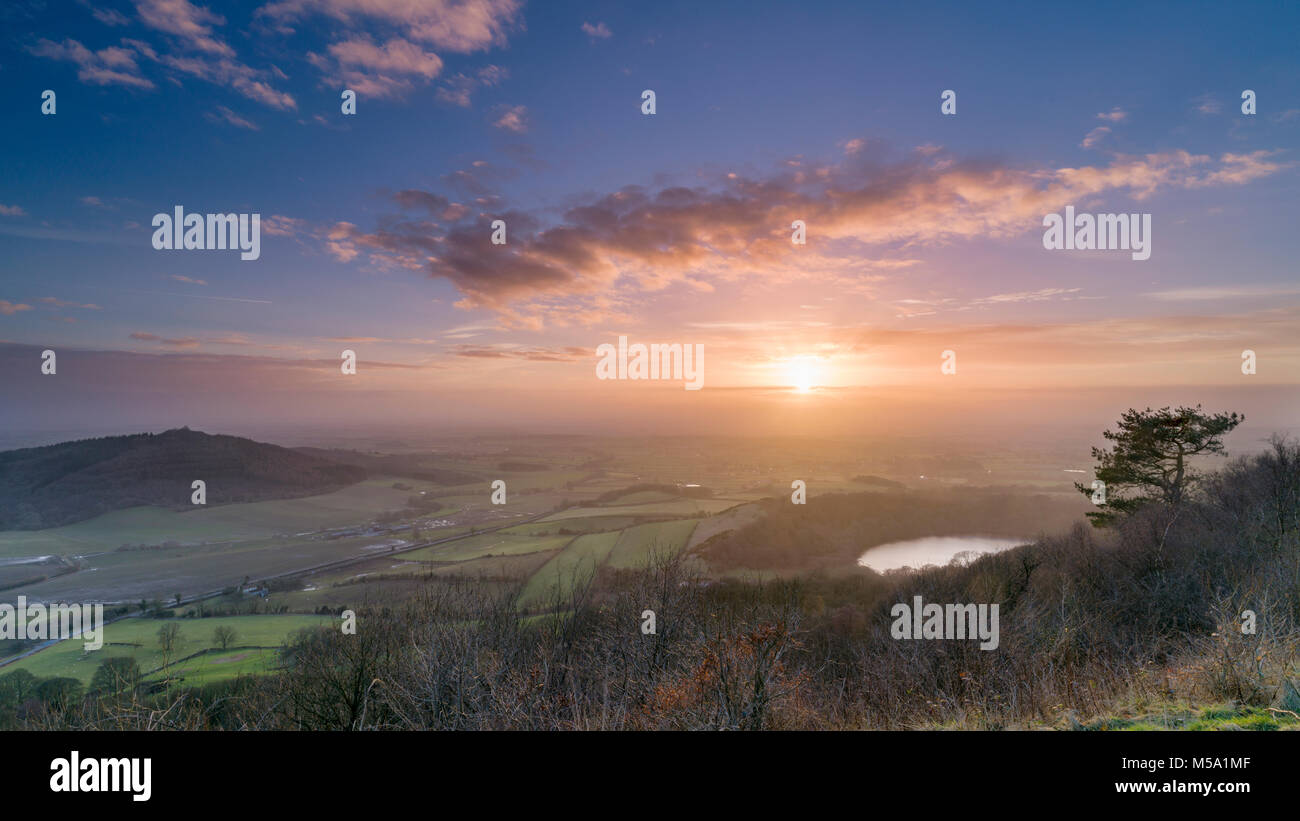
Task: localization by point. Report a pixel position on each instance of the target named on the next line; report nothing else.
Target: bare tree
(224, 636)
(168, 635)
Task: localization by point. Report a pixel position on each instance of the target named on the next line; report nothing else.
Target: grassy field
(637, 545)
(134, 574)
(224, 523)
(545, 556)
(488, 544)
(256, 638)
(732, 519)
(206, 549)
(644, 497)
(221, 665)
(676, 506)
(197, 551)
(377, 592)
(574, 565)
(591, 524)
(387, 583)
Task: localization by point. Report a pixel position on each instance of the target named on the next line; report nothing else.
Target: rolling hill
(73, 481)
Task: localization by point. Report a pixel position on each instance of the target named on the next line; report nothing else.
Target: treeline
(878, 481)
(832, 530)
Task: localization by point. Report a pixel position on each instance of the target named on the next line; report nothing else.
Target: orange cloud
(639, 240)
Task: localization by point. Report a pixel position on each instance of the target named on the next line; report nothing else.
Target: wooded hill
(73, 481)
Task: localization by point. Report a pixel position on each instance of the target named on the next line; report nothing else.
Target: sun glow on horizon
(802, 374)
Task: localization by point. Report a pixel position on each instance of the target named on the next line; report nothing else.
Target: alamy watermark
(208, 232)
(640, 361)
(25, 622)
(1100, 232)
(946, 621)
(77, 774)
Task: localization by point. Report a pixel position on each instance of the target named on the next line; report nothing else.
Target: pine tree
(1149, 462)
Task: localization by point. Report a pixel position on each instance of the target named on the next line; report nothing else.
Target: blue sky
(926, 227)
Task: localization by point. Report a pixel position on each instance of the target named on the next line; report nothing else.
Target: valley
(579, 510)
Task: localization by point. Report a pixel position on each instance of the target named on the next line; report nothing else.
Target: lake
(937, 550)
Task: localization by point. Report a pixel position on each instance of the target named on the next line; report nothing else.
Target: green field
(154, 553)
(256, 640)
(576, 564)
(637, 545)
(223, 523)
(207, 549)
(733, 519)
(134, 574)
(644, 496)
(499, 543)
(592, 524)
(675, 506)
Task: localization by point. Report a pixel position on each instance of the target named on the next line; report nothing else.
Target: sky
(924, 230)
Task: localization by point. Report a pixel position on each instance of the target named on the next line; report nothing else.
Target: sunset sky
(924, 231)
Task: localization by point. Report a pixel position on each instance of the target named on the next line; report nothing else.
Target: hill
(72, 481)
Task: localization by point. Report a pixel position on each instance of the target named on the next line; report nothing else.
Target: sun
(802, 375)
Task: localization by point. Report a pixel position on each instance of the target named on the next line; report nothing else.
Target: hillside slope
(72, 481)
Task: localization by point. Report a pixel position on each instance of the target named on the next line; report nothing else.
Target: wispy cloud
(1207, 104)
(459, 88)
(191, 46)
(371, 69)
(250, 82)
(463, 27)
(1040, 295)
(1213, 293)
(109, 17)
(1095, 136)
(392, 68)
(59, 303)
(182, 342)
(199, 296)
(108, 66)
(530, 354)
(513, 118)
(223, 114)
(191, 24)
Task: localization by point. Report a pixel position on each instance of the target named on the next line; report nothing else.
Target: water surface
(937, 550)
